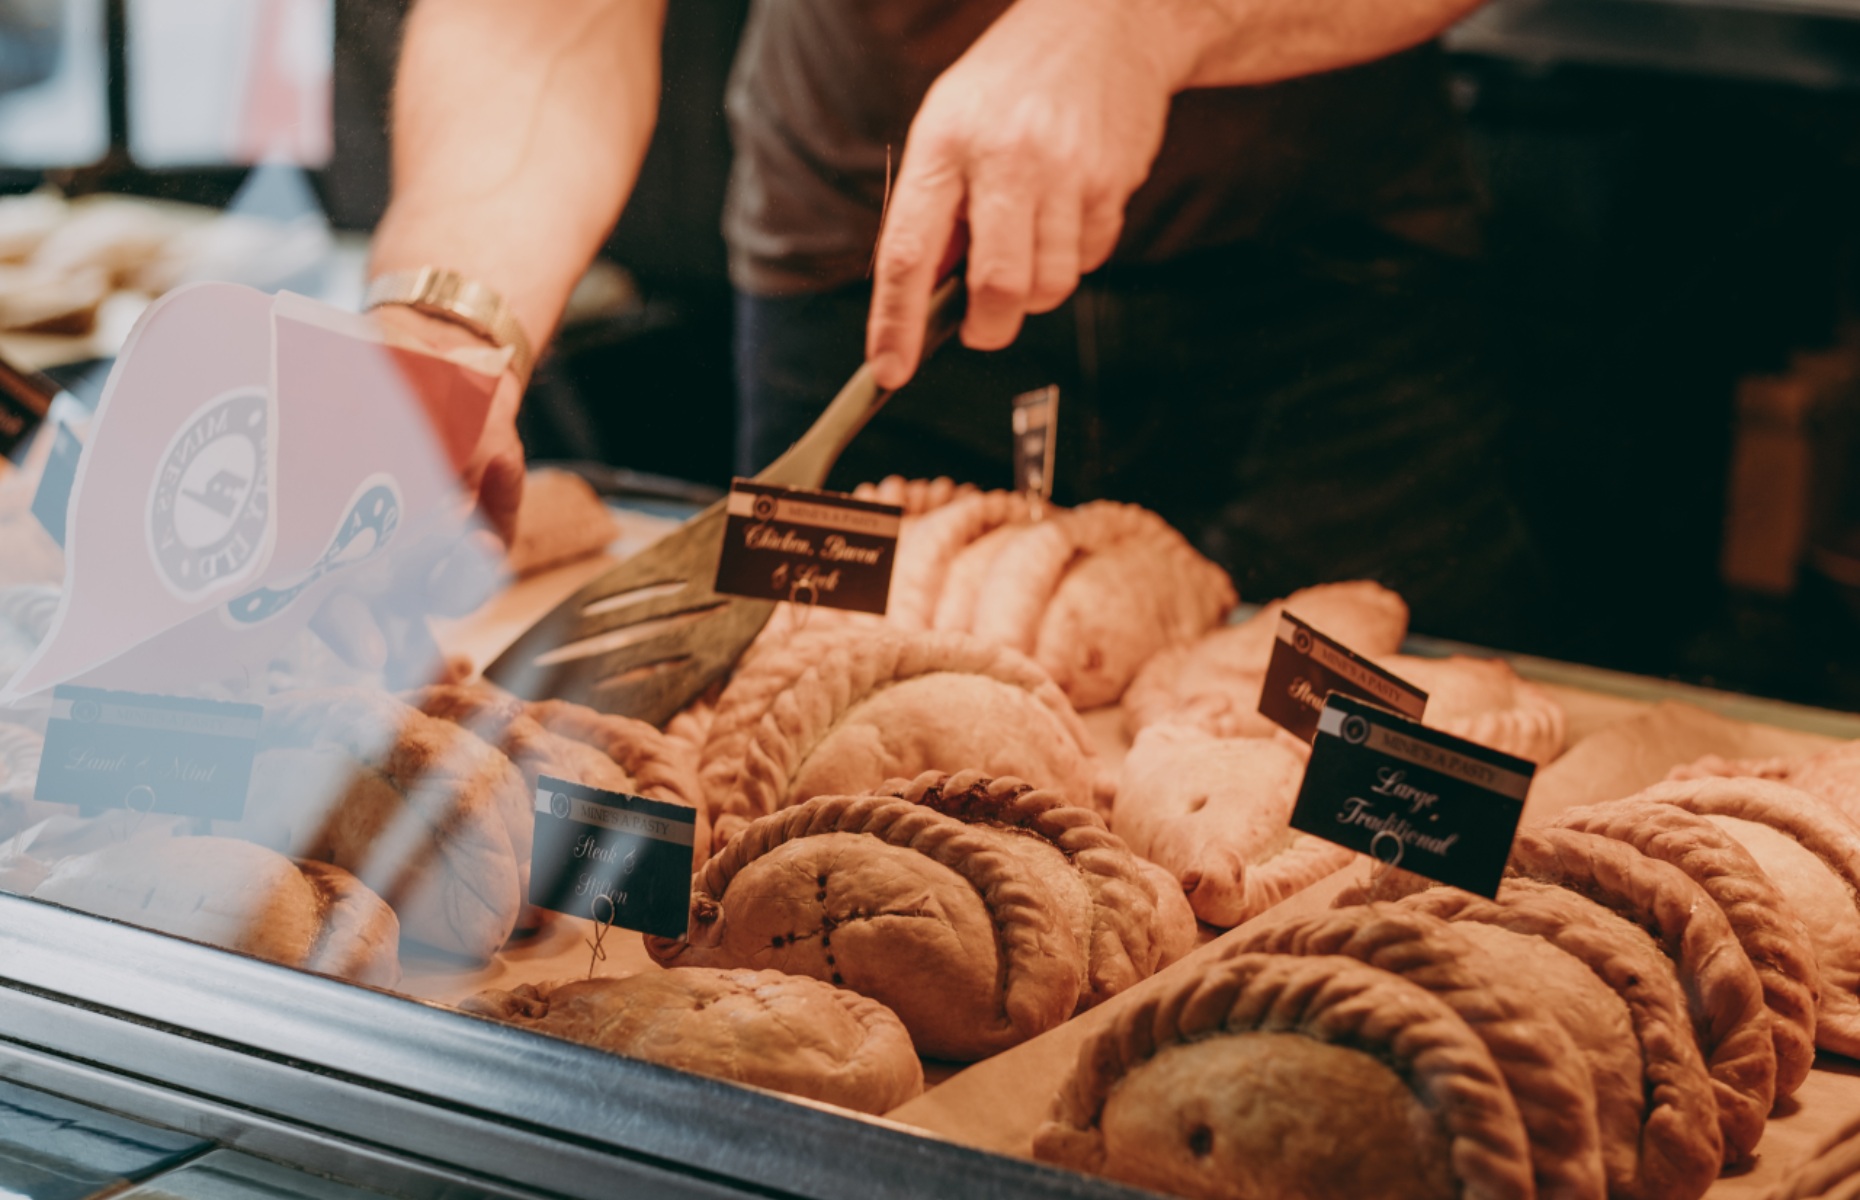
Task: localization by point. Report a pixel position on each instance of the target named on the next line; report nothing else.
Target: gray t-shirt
(823, 89)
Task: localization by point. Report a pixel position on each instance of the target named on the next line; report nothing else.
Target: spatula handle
(806, 463)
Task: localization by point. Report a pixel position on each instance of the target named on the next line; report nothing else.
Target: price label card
(1413, 797)
(1307, 666)
(805, 547)
(1036, 438)
(619, 859)
(52, 501)
(155, 754)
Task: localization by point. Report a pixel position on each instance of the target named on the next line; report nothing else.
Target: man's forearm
(1216, 43)
(518, 132)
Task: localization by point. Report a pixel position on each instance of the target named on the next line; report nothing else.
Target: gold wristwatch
(467, 303)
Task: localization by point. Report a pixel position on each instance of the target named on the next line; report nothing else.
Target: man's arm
(518, 133)
(1037, 137)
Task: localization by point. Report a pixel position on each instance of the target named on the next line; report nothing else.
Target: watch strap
(446, 294)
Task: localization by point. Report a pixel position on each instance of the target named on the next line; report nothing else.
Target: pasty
(1724, 993)
(1119, 921)
(573, 742)
(1223, 670)
(915, 496)
(1812, 854)
(788, 1033)
(1215, 813)
(1766, 927)
(1546, 1074)
(1092, 592)
(239, 896)
(431, 818)
(1656, 1103)
(894, 705)
(1271, 1075)
(929, 545)
(560, 520)
(1483, 700)
(974, 949)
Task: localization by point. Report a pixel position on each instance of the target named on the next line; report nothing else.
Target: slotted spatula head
(649, 636)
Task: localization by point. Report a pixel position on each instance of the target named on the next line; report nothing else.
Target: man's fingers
(1103, 225)
(1056, 254)
(910, 248)
(1000, 274)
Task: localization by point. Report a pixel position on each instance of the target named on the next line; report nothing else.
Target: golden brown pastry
(1655, 1101)
(787, 1033)
(1061, 842)
(237, 895)
(915, 496)
(1546, 1074)
(1812, 854)
(1483, 700)
(1277, 1076)
(1766, 927)
(1832, 775)
(1722, 988)
(929, 545)
(428, 816)
(1215, 813)
(35, 299)
(974, 946)
(893, 705)
(560, 520)
(1222, 671)
(570, 741)
(1092, 592)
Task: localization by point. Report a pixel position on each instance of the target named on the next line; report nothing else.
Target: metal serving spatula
(647, 637)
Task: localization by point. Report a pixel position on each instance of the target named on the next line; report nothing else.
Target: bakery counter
(906, 971)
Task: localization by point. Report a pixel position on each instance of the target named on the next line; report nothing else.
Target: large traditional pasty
(894, 705)
(1483, 700)
(1079, 859)
(1278, 1076)
(974, 946)
(1766, 927)
(929, 545)
(1215, 813)
(1222, 671)
(785, 1032)
(428, 816)
(1812, 854)
(1832, 775)
(237, 895)
(1723, 991)
(1656, 1103)
(1547, 1075)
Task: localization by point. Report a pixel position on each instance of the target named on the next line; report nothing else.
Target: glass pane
(53, 91)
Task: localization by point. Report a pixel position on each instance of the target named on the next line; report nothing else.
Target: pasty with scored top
(788, 1033)
(1271, 1075)
(975, 943)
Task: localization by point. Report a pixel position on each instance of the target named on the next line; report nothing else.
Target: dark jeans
(1302, 416)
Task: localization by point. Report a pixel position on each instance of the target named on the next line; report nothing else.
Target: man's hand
(494, 473)
(1036, 137)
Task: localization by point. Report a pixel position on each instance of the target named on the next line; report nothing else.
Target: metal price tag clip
(1036, 439)
(597, 953)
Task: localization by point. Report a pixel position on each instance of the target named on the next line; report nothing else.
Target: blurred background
(1673, 213)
